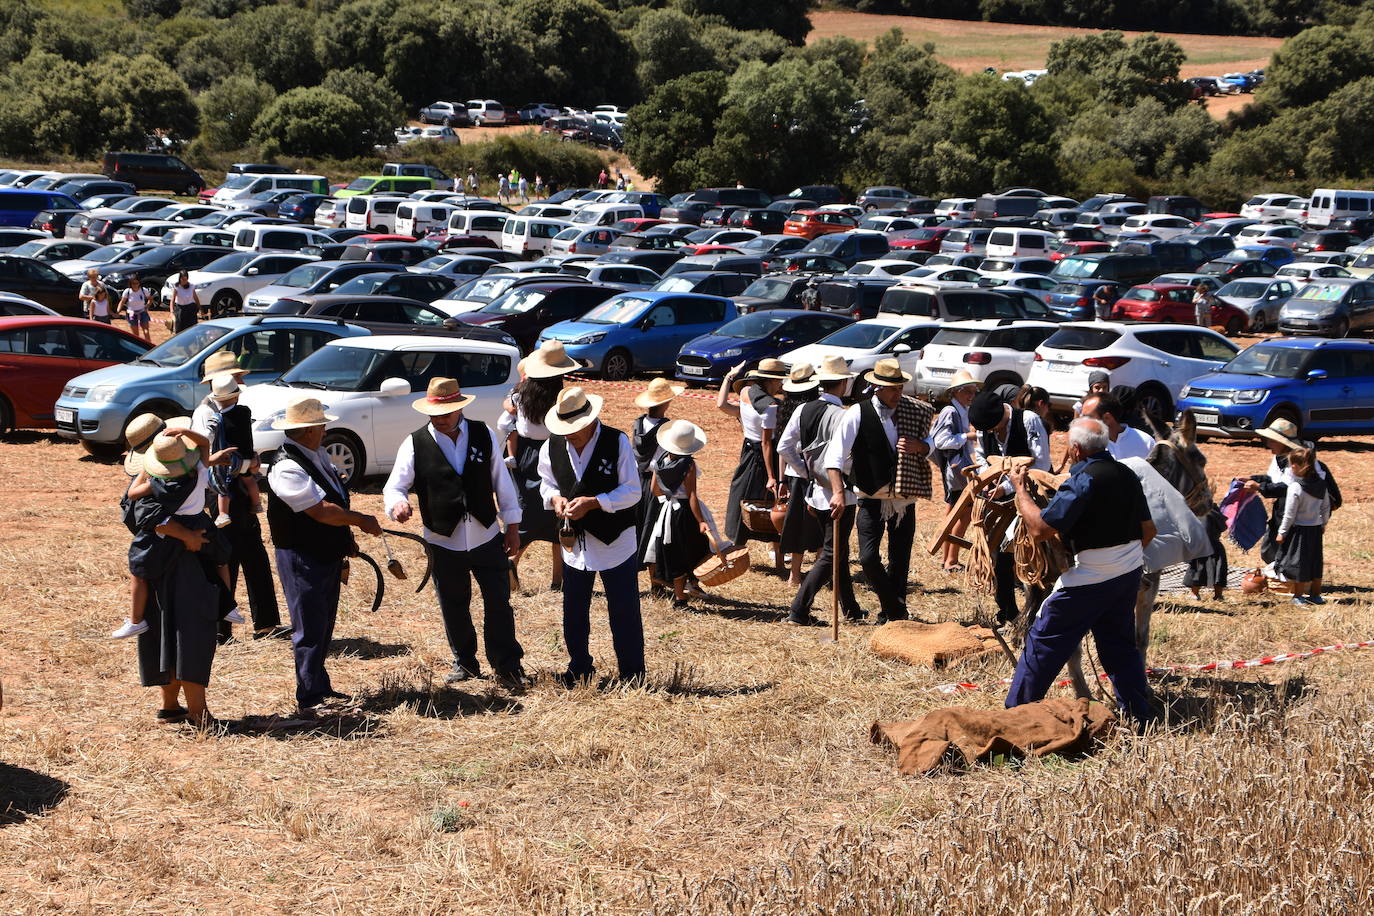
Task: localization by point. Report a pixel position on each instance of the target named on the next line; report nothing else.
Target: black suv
(153, 171)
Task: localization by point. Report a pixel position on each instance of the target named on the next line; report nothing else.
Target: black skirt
(686, 549)
(749, 483)
(536, 522)
(801, 529)
(1210, 571)
(1300, 555)
(183, 611)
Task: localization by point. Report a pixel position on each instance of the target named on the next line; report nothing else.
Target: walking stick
(834, 581)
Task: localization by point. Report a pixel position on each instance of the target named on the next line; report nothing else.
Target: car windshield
(768, 288)
(28, 249)
(483, 289)
(516, 301)
(1143, 294)
(826, 244)
(1271, 361)
(360, 184)
(616, 310)
(959, 337)
(860, 336)
(230, 263)
(304, 276)
(1322, 292)
(183, 346)
(234, 182)
(675, 285)
(335, 368)
(107, 252)
(1076, 267)
(434, 263)
(1243, 289)
(155, 256)
(759, 243)
(1082, 338)
(760, 324)
(568, 234)
(363, 285)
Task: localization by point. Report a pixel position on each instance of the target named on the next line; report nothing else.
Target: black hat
(986, 411)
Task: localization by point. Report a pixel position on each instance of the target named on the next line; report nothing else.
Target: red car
(709, 249)
(39, 354)
(638, 224)
(1071, 249)
(927, 239)
(811, 224)
(380, 237)
(1170, 302)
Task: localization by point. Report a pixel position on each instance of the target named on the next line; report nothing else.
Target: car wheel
(617, 366)
(345, 453)
(6, 416)
(192, 190)
(1156, 404)
(1342, 329)
(225, 302)
(1289, 414)
(105, 451)
(1234, 327)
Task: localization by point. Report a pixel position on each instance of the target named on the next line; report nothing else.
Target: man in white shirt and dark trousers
(588, 477)
(308, 514)
(865, 451)
(1122, 441)
(803, 445)
(454, 467)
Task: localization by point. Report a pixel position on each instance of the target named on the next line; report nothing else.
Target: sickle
(421, 541)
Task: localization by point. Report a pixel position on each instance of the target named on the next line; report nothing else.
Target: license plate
(63, 415)
(1207, 419)
(937, 371)
(1062, 367)
(693, 370)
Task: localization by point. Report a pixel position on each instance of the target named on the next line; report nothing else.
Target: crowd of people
(825, 455)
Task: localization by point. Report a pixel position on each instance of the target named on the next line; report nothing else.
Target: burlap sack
(931, 645)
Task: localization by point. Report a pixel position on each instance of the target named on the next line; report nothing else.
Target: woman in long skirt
(801, 530)
(522, 427)
(644, 440)
(678, 542)
(756, 477)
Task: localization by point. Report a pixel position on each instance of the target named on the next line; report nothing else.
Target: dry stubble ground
(741, 780)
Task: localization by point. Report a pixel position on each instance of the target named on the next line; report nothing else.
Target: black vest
(602, 476)
(1018, 444)
(297, 531)
(645, 442)
(1113, 516)
(445, 496)
(875, 460)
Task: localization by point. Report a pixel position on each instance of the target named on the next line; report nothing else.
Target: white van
(607, 214)
(238, 186)
(1020, 243)
(277, 238)
(1328, 204)
(417, 219)
(373, 213)
(530, 236)
(487, 223)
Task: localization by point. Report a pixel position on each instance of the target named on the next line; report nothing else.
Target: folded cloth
(1245, 516)
(932, 645)
(1055, 726)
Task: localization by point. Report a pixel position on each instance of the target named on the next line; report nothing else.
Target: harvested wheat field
(741, 779)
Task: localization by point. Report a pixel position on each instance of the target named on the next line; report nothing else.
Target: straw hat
(681, 437)
(443, 396)
(1282, 431)
(140, 433)
(224, 386)
(801, 378)
(833, 369)
(169, 456)
(575, 409)
(221, 361)
(548, 361)
(887, 373)
(660, 391)
(770, 368)
(302, 413)
(962, 378)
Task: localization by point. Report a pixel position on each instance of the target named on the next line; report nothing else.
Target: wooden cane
(835, 580)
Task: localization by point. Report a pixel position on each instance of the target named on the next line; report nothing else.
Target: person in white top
(1306, 511)
(952, 444)
(588, 477)
(1125, 441)
(801, 530)
(756, 477)
(95, 298)
(471, 517)
(134, 304)
(185, 304)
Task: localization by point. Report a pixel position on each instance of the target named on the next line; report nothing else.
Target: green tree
(1312, 64)
(139, 95)
(277, 43)
(229, 109)
(576, 50)
(731, 47)
(47, 107)
(312, 122)
(382, 108)
(669, 134)
(787, 18)
(668, 45)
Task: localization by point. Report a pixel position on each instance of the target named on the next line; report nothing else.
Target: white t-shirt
(1132, 443)
(136, 300)
(755, 423)
(99, 307)
(183, 295)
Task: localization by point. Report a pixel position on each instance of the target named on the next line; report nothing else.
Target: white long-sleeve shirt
(1131, 443)
(1301, 509)
(589, 553)
(839, 454)
(469, 533)
(790, 445)
(949, 434)
(1037, 441)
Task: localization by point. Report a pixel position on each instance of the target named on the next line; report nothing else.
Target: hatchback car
(525, 311)
(1233, 267)
(39, 282)
(1259, 298)
(750, 338)
(312, 278)
(1329, 308)
(1325, 387)
(812, 224)
(995, 352)
(863, 343)
(1303, 271)
(53, 250)
(1159, 302)
(223, 284)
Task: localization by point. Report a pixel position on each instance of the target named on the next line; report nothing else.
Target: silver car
(1259, 297)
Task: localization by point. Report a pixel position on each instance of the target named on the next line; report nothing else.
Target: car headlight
(101, 394)
(266, 422)
(201, 285)
(589, 339)
(1329, 313)
(114, 278)
(730, 353)
(1249, 396)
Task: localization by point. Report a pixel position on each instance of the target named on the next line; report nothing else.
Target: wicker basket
(723, 567)
(758, 516)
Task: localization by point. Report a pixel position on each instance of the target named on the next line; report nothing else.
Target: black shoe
(807, 621)
(859, 616)
(277, 632)
(570, 679)
(555, 586)
(682, 604)
(459, 674)
(335, 695)
(171, 715)
(514, 680)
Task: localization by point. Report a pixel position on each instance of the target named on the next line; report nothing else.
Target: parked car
(1267, 206)
(1159, 302)
(425, 287)
(147, 171)
(966, 240)
(370, 384)
(929, 238)
(1260, 298)
(1324, 387)
(637, 332)
(706, 282)
(40, 354)
(1325, 240)
(1233, 267)
(750, 338)
(526, 311)
(53, 250)
(993, 351)
(311, 278)
(1302, 271)
(1036, 285)
(224, 283)
(41, 283)
(479, 291)
(1157, 360)
(1329, 308)
(449, 114)
(883, 198)
(775, 290)
(811, 224)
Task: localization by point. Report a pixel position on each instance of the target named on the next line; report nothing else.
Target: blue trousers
(1107, 610)
(622, 603)
(312, 597)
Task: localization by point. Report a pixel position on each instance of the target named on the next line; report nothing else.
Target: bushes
(311, 122)
(570, 164)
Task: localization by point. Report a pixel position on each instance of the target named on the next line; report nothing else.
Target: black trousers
(1004, 570)
(889, 582)
(453, 572)
(820, 574)
(248, 553)
(312, 587)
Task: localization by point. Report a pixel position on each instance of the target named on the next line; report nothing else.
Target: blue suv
(166, 380)
(1324, 386)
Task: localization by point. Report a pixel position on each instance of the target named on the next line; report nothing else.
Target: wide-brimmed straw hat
(574, 410)
(548, 361)
(139, 434)
(302, 413)
(170, 456)
(887, 373)
(1282, 431)
(770, 368)
(441, 397)
(961, 379)
(660, 391)
(833, 369)
(681, 437)
(221, 361)
(801, 378)
(224, 386)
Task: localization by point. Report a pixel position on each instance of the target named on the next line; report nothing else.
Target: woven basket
(758, 516)
(723, 567)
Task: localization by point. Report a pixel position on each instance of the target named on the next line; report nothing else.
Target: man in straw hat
(952, 443)
(803, 445)
(872, 442)
(589, 479)
(309, 516)
(454, 467)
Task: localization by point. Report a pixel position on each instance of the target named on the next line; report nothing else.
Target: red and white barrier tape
(1210, 666)
(638, 386)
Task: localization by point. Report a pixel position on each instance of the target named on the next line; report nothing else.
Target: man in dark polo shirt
(1101, 516)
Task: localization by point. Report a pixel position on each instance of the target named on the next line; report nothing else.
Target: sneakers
(130, 629)
(234, 616)
(222, 521)
(1301, 600)
(1315, 599)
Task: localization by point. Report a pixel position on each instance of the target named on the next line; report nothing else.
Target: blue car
(751, 338)
(1278, 255)
(640, 331)
(1324, 386)
(96, 407)
(1072, 300)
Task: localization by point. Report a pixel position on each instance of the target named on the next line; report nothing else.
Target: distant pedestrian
(95, 299)
(472, 182)
(602, 180)
(538, 186)
(134, 304)
(1104, 297)
(524, 188)
(1202, 305)
(185, 304)
(503, 188)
